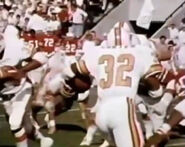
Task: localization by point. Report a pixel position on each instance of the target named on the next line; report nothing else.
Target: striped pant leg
(128, 133)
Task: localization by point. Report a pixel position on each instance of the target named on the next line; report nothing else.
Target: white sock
(23, 143)
(91, 131)
(38, 135)
(52, 123)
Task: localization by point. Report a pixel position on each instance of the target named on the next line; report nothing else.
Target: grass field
(70, 131)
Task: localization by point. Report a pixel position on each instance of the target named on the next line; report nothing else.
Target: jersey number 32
(125, 64)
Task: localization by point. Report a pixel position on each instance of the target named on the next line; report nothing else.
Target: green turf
(70, 132)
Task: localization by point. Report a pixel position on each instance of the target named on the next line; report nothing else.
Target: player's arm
(152, 82)
(170, 90)
(162, 133)
(38, 60)
(3, 73)
(178, 113)
(9, 72)
(33, 64)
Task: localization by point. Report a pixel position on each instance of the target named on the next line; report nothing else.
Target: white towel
(146, 14)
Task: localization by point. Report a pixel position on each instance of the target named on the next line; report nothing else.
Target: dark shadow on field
(7, 146)
(68, 127)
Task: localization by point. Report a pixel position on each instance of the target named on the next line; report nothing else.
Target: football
(80, 84)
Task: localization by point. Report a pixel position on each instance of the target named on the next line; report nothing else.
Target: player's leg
(34, 133)
(119, 116)
(83, 103)
(88, 117)
(18, 107)
(56, 105)
(38, 97)
(91, 130)
(127, 131)
(102, 122)
(38, 103)
(17, 130)
(50, 108)
(35, 110)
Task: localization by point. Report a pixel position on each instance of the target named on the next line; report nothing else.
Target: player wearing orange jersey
(48, 42)
(70, 45)
(32, 40)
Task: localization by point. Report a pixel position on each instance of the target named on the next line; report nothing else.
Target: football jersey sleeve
(90, 58)
(151, 65)
(41, 57)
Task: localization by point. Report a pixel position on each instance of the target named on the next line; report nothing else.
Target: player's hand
(155, 140)
(5, 71)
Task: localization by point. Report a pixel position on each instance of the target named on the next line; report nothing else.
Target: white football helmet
(119, 35)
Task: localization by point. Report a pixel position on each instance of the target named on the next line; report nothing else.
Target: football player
(118, 72)
(70, 45)
(132, 40)
(16, 93)
(175, 89)
(32, 40)
(177, 86)
(155, 111)
(48, 41)
(54, 92)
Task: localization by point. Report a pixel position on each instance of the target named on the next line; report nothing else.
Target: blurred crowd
(42, 16)
(47, 24)
(172, 44)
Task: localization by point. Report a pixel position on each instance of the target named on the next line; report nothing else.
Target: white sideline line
(43, 112)
(175, 145)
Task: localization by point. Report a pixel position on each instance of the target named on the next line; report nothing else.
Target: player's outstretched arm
(10, 72)
(31, 66)
(162, 133)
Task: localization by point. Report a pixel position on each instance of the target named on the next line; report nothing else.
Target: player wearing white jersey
(119, 36)
(50, 88)
(118, 73)
(53, 91)
(17, 93)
